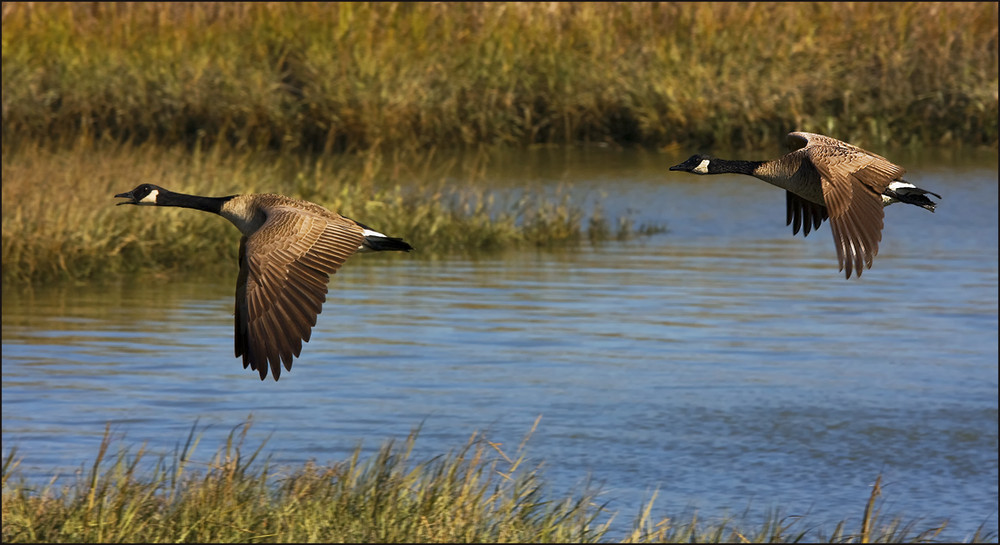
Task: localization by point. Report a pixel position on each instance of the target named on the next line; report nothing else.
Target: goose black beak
(677, 167)
(126, 195)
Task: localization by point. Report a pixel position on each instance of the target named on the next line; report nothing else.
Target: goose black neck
(208, 204)
(730, 166)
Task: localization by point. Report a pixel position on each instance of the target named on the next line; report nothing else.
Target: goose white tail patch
(702, 168)
(370, 233)
(896, 186)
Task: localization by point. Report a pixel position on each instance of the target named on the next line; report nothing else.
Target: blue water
(722, 362)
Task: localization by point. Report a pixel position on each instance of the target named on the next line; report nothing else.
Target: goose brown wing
(284, 270)
(853, 181)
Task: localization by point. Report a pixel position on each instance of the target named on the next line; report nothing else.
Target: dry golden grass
(479, 493)
(345, 76)
(344, 103)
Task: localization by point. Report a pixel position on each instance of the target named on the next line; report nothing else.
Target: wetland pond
(723, 362)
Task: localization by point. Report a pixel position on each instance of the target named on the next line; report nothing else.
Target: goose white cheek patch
(702, 168)
(151, 198)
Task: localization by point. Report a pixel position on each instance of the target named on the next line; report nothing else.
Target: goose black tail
(383, 244)
(914, 196)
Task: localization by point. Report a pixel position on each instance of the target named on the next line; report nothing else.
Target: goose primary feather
(288, 251)
(825, 178)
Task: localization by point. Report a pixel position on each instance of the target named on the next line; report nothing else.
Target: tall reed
(477, 493)
(347, 76)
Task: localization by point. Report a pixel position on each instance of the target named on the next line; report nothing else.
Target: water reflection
(723, 361)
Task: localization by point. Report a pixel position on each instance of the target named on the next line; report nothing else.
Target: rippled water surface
(723, 362)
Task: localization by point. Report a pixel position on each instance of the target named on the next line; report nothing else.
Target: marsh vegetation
(349, 104)
(481, 492)
(333, 77)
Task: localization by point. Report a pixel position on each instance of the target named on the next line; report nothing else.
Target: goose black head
(144, 194)
(696, 164)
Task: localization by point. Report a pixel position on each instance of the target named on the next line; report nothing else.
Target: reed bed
(328, 77)
(347, 104)
(60, 221)
(476, 494)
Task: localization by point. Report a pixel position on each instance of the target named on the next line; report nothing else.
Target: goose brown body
(825, 178)
(288, 252)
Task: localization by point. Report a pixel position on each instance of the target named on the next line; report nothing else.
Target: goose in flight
(825, 178)
(288, 251)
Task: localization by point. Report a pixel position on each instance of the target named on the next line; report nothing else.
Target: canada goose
(826, 178)
(288, 251)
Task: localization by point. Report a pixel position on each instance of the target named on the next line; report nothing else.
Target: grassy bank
(60, 220)
(478, 493)
(330, 77)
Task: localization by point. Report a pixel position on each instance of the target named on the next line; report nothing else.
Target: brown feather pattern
(852, 180)
(292, 258)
